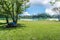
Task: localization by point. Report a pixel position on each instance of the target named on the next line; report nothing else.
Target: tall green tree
(9, 8)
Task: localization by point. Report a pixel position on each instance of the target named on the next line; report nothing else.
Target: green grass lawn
(33, 30)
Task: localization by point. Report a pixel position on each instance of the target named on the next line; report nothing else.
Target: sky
(41, 6)
(35, 9)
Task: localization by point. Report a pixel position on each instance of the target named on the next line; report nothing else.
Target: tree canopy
(11, 8)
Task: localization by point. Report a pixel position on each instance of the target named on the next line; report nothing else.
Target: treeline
(42, 15)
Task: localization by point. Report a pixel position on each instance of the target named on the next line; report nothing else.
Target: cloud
(40, 1)
(25, 14)
(45, 1)
(49, 11)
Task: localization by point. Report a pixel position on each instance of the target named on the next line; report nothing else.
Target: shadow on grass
(3, 26)
(2, 23)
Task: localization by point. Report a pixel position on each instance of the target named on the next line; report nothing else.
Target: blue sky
(41, 6)
(36, 8)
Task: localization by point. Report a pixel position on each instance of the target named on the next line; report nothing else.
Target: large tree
(9, 8)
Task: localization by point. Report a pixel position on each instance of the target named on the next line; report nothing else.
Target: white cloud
(28, 3)
(49, 11)
(40, 1)
(25, 14)
(45, 1)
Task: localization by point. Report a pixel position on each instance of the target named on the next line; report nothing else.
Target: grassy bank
(33, 30)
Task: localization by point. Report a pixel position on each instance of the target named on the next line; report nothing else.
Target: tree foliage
(11, 8)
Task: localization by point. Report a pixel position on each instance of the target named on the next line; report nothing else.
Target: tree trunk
(13, 13)
(7, 21)
(16, 18)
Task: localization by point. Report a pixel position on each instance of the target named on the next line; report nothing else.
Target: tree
(11, 9)
(17, 9)
(56, 9)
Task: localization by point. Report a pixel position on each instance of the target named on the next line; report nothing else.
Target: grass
(33, 30)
